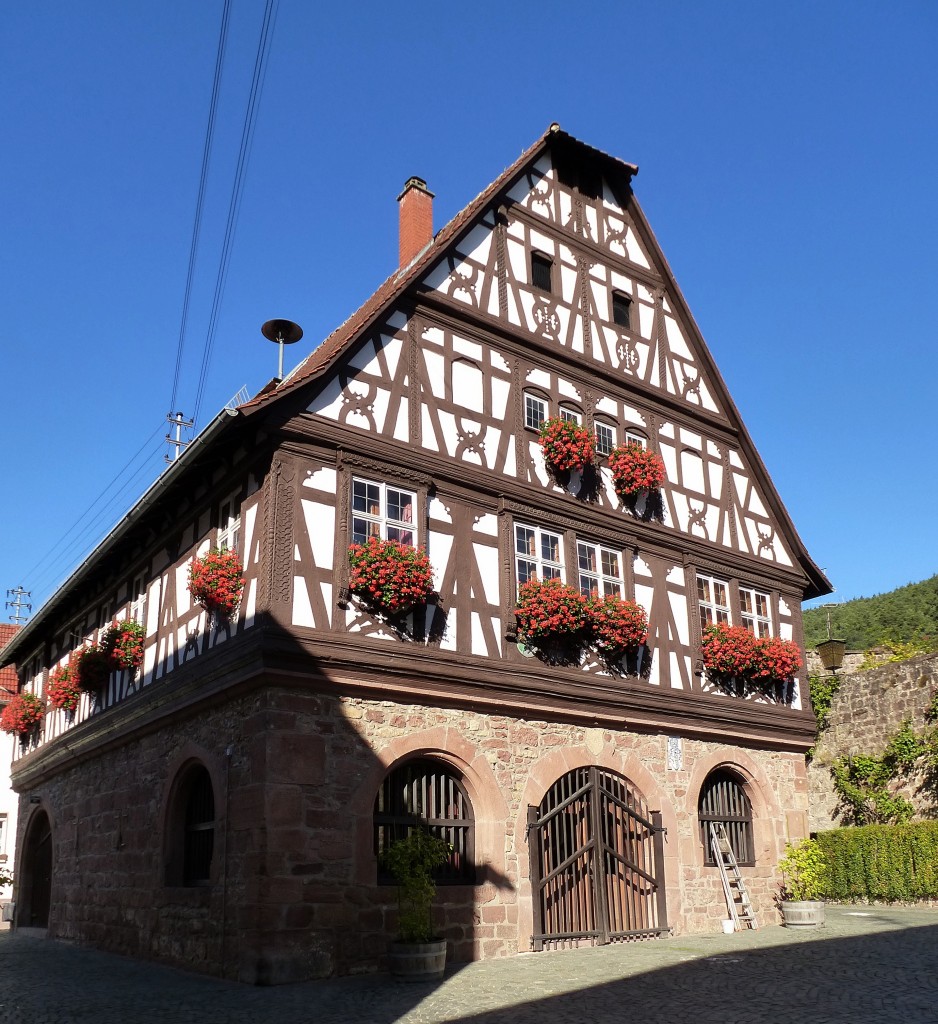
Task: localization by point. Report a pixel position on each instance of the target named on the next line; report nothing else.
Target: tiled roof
(8, 679)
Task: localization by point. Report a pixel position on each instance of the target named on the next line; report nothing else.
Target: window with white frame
(535, 411)
(632, 438)
(538, 553)
(754, 606)
(599, 570)
(571, 415)
(229, 525)
(138, 599)
(384, 511)
(605, 437)
(713, 600)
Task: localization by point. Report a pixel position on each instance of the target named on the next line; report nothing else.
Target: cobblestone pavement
(870, 965)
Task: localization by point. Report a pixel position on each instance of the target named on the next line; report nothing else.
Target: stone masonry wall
(295, 775)
(867, 710)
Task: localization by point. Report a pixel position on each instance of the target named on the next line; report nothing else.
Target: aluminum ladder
(734, 888)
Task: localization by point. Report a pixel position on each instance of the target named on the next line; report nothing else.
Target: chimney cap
(414, 182)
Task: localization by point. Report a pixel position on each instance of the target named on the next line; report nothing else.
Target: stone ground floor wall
(293, 891)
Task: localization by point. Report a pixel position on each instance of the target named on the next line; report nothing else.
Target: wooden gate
(597, 862)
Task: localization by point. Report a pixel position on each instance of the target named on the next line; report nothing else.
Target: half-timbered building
(224, 806)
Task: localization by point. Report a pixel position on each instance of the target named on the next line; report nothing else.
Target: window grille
(723, 799)
(535, 411)
(713, 601)
(605, 438)
(621, 309)
(541, 271)
(755, 612)
(600, 570)
(426, 794)
(537, 553)
(199, 828)
(381, 510)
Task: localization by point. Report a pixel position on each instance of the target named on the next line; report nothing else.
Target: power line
(200, 201)
(247, 136)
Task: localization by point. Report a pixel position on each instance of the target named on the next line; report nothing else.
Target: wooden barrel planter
(418, 961)
(803, 913)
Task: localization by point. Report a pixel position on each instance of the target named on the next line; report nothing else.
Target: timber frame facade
(275, 731)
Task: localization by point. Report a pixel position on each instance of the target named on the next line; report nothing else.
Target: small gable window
(621, 309)
(570, 415)
(632, 438)
(229, 525)
(535, 411)
(754, 606)
(541, 271)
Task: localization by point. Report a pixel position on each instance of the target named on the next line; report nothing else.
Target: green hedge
(882, 862)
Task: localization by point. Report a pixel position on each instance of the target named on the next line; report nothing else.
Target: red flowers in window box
(62, 690)
(616, 625)
(216, 581)
(566, 445)
(635, 469)
(22, 714)
(732, 652)
(549, 610)
(123, 641)
(390, 576)
(91, 667)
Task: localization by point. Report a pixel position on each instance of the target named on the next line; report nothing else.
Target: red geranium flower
(123, 642)
(635, 469)
(216, 581)
(566, 445)
(550, 610)
(62, 690)
(616, 625)
(389, 575)
(22, 714)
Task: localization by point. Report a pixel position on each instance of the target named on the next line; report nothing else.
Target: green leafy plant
(823, 690)
(866, 783)
(804, 871)
(411, 862)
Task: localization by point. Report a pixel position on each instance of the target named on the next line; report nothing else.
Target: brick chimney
(416, 219)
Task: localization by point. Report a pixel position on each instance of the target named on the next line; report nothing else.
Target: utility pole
(18, 604)
(176, 443)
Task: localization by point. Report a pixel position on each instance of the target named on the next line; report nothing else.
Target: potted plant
(804, 870)
(91, 666)
(616, 625)
(123, 642)
(390, 576)
(22, 716)
(635, 469)
(63, 691)
(417, 955)
(216, 581)
(551, 616)
(566, 445)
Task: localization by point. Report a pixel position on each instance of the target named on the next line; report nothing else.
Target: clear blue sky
(787, 157)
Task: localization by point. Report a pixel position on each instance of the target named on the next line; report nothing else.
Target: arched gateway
(35, 882)
(597, 862)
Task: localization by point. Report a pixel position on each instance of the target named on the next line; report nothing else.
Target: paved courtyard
(869, 965)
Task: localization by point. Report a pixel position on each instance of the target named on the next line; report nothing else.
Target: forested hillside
(906, 615)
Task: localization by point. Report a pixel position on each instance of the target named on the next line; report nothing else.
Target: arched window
(723, 799)
(426, 794)
(191, 829)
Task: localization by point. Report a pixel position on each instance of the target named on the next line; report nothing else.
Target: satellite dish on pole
(282, 332)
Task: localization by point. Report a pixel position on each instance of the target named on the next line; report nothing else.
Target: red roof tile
(8, 678)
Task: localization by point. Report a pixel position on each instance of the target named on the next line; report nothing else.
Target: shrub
(804, 871)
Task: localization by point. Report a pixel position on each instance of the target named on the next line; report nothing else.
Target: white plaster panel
(676, 339)
(636, 255)
(755, 503)
(320, 529)
(470, 349)
(527, 307)
(592, 223)
(501, 392)
(690, 438)
(680, 511)
(646, 319)
(438, 511)
(783, 607)
(735, 459)
(781, 552)
(448, 640)
(678, 605)
(492, 438)
(543, 242)
(566, 206)
(326, 591)
(427, 435)
(517, 261)
(450, 433)
(434, 335)
(511, 468)
(302, 609)
(514, 311)
(498, 631)
(712, 519)
(435, 373)
(393, 345)
(715, 473)
(608, 406)
(676, 576)
(641, 568)
(669, 458)
(675, 661)
(437, 276)
(539, 378)
(402, 425)
(567, 390)
(366, 359)
(487, 560)
(540, 466)
(692, 470)
(785, 631)
(250, 603)
(468, 386)
(644, 293)
(477, 243)
(478, 638)
(183, 600)
(321, 479)
(706, 398)
(487, 524)
(438, 548)
(380, 409)
(666, 304)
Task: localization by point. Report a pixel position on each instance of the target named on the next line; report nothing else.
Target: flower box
(22, 715)
(616, 625)
(635, 469)
(390, 576)
(216, 581)
(549, 611)
(91, 667)
(62, 690)
(123, 642)
(735, 658)
(566, 445)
